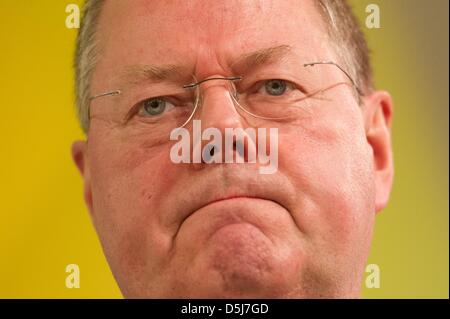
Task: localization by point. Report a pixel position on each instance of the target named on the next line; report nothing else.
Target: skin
(223, 230)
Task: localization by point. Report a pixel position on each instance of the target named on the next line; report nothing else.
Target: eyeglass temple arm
(110, 93)
(340, 68)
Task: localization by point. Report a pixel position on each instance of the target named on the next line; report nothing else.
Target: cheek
(328, 159)
(128, 183)
(129, 169)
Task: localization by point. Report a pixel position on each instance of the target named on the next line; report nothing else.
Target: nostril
(208, 154)
(238, 146)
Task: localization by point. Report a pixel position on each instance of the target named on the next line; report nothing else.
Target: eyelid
(175, 99)
(138, 106)
(257, 84)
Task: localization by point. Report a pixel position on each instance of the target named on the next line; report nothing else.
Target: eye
(154, 107)
(275, 87)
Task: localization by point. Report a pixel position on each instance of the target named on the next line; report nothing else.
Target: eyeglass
(264, 98)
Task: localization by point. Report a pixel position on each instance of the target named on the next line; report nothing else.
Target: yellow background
(44, 224)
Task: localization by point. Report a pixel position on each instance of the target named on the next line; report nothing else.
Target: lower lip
(239, 204)
(235, 198)
(237, 232)
(247, 211)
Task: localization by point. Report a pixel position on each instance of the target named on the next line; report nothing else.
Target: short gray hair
(342, 25)
(348, 39)
(86, 56)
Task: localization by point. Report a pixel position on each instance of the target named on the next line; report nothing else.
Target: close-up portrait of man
(224, 157)
(294, 79)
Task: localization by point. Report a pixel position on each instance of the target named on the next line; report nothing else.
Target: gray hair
(86, 56)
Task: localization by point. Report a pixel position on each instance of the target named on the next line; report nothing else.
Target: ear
(378, 119)
(80, 156)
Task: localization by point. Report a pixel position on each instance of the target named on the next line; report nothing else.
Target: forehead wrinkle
(136, 74)
(179, 74)
(260, 57)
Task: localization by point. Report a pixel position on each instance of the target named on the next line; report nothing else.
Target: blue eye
(275, 87)
(154, 107)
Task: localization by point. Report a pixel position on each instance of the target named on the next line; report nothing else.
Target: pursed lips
(235, 196)
(223, 183)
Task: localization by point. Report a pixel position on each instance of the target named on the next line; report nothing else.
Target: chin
(240, 262)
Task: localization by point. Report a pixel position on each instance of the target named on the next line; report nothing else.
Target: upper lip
(223, 184)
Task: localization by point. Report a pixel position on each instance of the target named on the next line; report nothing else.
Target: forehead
(205, 36)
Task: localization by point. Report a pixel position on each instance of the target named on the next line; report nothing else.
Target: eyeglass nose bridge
(196, 85)
(226, 78)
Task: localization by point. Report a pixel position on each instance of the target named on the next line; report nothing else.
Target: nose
(217, 107)
(217, 113)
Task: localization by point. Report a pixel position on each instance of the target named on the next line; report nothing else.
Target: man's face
(224, 230)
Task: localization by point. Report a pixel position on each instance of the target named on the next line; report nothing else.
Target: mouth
(223, 201)
(222, 188)
(231, 198)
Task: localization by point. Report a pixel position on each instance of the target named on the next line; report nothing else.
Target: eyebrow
(136, 74)
(260, 57)
(139, 73)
